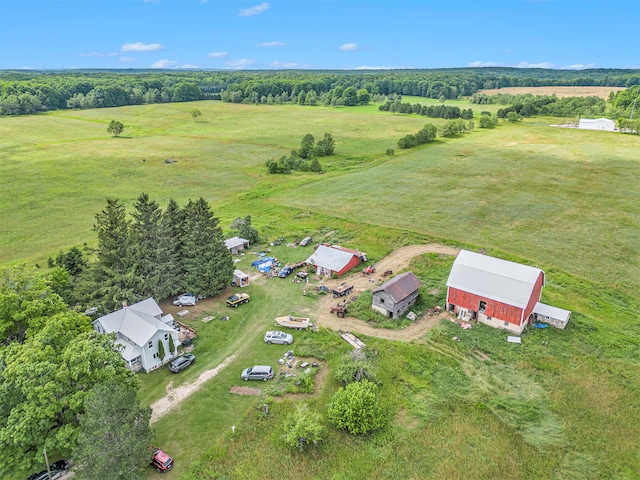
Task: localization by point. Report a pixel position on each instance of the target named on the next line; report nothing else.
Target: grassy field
(564, 405)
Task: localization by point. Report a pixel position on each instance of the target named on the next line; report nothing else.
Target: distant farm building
(597, 124)
(396, 296)
(554, 316)
(236, 244)
(330, 259)
(496, 292)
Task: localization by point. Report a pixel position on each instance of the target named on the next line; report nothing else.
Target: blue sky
(319, 34)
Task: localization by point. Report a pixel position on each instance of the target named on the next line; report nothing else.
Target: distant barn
(236, 244)
(597, 124)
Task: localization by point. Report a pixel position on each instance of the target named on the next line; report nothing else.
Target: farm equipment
(339, 310)
(369, 270)
(342, 290)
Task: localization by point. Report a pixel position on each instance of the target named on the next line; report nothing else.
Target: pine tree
(113, 278)
(207, 261)
(172, 225)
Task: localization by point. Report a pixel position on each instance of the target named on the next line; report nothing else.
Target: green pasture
(563, 405)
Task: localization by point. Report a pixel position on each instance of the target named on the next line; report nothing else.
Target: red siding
(354, 262)
(535, 296)
(494, 309)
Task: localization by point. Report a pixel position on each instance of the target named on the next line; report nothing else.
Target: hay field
(560, 92)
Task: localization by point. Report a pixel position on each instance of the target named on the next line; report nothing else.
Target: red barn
(330, 259)
(496, 292)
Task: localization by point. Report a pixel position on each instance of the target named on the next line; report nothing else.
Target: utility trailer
(342, 290)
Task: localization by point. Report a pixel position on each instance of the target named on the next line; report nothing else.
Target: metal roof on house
(401, 286)
(506, 282)
(235, 242)
(334, 259)
(136, 322)
(552, 312)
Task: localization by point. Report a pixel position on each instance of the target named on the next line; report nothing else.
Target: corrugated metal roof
(329, 257)
(235, 242)
(551, 312)
(401, 286)
(494, 278)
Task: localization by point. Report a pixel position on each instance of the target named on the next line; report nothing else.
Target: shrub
(357, 408)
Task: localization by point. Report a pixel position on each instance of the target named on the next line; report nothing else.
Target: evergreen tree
(113, 278)
(307, 146)
(326, 146)
(207, 261)
(151, 250)
(172, 226)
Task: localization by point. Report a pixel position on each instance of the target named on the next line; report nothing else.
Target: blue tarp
(262, 260)
(540, 325)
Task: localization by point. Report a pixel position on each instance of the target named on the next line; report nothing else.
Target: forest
(28, 92)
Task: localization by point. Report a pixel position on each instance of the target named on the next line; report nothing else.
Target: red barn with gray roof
(496, 292)
(330, 259)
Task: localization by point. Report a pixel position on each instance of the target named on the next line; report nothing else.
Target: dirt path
(395, 261)
(175, 396)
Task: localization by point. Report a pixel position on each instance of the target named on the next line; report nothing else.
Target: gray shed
(240, 279)
(236, 244)
(396, 296)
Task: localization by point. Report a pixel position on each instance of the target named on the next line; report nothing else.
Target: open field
(563, 405)
(560, 92)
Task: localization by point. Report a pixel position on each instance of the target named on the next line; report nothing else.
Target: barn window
(382, 300)
(482, 307)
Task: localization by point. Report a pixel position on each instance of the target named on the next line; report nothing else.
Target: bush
(303, 427)
(390, 151)
(357, 408)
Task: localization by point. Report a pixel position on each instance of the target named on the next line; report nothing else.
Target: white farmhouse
(139, 331)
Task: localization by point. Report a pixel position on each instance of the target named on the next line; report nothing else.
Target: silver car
(257, 372)
(278, 337)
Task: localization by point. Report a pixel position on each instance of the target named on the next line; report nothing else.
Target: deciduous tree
(115, 128)
(195, 113)
(115, 437)
(357, 408)
(303, 427)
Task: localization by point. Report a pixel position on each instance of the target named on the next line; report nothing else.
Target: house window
(156, 355)
(482, 307)
(151, 344)
(166, 336)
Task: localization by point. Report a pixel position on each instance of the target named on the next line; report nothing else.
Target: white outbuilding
(597, 124)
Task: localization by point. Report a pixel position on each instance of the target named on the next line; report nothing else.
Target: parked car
(180, 363)
(285, 271)
(185, 299)
(237, 299)
(161, 461)
(305, 241)
(278, 337)
(58, 469)
(257, 372)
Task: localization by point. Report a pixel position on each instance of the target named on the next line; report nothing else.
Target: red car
(162, 462)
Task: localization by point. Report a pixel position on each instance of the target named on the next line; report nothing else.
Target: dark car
(285, 272)
(161, 461)
(180, 363)
(58, 469)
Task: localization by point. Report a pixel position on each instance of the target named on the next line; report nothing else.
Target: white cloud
(367, 67)
(164, 64)
(141, 47)
(479, 63)
(249, 12)
(349, 46)
(92, 54)
(279, 64)
(534, 65)
(217, 54)
(579, 66)
(240, 63)
(113, 54)
(186, 65)
(272, 44)
(126, 59)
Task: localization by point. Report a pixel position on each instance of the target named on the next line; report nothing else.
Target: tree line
(23, 92)
(155, 253)
(305, 159)
(433, 111)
